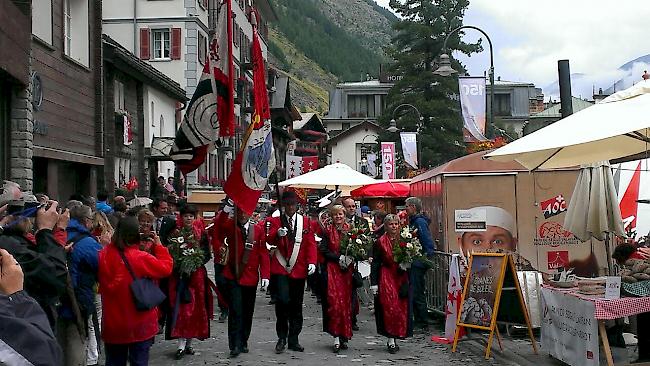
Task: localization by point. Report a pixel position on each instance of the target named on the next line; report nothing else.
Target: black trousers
(241, 305)
(288, 307)
(643, 335)
(420, 312)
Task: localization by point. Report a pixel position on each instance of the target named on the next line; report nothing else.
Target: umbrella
(139, 201)
(333, 176)
(385, 189)
(593, 210)
(616, 128)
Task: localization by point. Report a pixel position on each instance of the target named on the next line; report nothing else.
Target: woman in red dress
(337, 278)
(391, 287)
(189, 294)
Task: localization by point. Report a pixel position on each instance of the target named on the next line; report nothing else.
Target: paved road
(366, 347)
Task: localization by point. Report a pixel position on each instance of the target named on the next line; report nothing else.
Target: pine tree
(418, 42)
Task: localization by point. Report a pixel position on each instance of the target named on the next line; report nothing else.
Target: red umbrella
(386, 189)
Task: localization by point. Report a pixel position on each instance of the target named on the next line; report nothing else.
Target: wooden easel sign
(491, 281)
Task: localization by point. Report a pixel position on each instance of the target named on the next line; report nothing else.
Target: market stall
(573, 323)
(386, 196)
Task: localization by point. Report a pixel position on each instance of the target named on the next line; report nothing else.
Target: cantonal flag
(297, 165)
(256, 159)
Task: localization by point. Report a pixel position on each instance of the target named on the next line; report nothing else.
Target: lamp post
(364, 159)
(445, 69)
(393, 126)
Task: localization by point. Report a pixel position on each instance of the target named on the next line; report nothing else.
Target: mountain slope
(321, 42)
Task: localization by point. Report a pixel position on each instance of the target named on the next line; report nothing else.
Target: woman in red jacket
(391, 286)
(337, 281)
(127, 332)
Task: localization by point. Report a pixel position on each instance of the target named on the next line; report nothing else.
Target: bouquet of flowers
(188, 256)
(407, 249)
(356, 243)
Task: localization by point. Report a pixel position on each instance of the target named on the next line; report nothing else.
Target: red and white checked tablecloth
(612, 309)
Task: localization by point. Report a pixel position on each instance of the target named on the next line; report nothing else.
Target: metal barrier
(436, 282)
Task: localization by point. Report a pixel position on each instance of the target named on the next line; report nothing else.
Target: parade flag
(628, 201)
(454, 293)
(128, 130)
(208, 112)
(472, 103)
(410, 148)
(388, 160)
(256, 159)
(297, 165)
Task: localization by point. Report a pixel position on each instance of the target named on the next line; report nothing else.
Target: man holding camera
(41, 257)
(293, 258)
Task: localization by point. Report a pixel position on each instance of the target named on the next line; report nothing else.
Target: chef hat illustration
(496, 216)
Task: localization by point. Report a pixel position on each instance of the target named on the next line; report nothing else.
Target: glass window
(76, 39)
(203, 53)
(361, 106)
(161, 44)
(502, 105)
(42, 20)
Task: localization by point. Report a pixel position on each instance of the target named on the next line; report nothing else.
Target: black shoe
(336, 348)
(223, 316)
(344, 345)
(392, 349)
(279, 347)
(355, 327)
(234, 352)
(244, 349)
(189, 350)
(272, 301)
(179, 354)
(296, 347)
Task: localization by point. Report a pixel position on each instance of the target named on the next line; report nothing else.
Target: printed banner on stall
(569, 329)
(472, 103)
(410, 148)
(388, 160)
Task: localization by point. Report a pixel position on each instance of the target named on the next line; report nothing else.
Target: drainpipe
(135, 26)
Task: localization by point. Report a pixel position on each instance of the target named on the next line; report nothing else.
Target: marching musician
(242, 254)
(293, 258)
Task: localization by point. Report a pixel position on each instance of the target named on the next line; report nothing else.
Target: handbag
(357, 280)
(146, 293)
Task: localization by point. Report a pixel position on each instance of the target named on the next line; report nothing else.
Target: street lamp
(364, 159)
(393, 123)
(445, 68)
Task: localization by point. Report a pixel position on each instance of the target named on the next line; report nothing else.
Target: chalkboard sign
(490, 286)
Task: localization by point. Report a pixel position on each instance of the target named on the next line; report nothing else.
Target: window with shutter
(145, 50)
(176, 44)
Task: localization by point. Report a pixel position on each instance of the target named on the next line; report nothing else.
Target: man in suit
(293, 258)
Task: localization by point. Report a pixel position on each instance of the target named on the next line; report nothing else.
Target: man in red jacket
(292, 260)
(238, 273)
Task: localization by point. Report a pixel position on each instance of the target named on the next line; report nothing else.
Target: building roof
(554, 111)
(140, 69)
(365, 124)
(306, 117)
(475, 164)
(509, 83)
(364, 84)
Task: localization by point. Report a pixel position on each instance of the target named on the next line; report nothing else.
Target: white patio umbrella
(615, 128)
(593, 210)
(334, 176)
(139, 201)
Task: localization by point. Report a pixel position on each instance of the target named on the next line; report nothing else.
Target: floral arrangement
(188, 256)
(407, 249)
(473, 147)
(356, 243)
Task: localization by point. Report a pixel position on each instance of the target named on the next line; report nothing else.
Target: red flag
(256, 159)
(629, 205)
(221, 63)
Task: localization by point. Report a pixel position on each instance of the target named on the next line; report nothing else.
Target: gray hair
(415, 202)
(81, 212)
(72, 204)
(391, 218)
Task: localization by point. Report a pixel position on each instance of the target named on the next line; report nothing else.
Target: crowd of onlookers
(68, 271)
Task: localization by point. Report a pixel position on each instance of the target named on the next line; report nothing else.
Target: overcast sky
(530, 36)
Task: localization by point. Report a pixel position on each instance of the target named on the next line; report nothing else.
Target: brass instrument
(224, 253)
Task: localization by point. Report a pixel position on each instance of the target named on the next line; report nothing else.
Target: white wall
(165, 107)
(348, 149)
(120, 9)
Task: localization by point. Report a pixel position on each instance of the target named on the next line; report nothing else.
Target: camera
(145, 237)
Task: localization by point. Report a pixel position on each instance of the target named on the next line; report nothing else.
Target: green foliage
(383, 11)
(276, 50)
(303, 23)
(418, 42)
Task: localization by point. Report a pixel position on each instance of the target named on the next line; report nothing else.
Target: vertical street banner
(569, 329)
(372, 164)
(410, 148)
(388, 160)
(473, 103)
